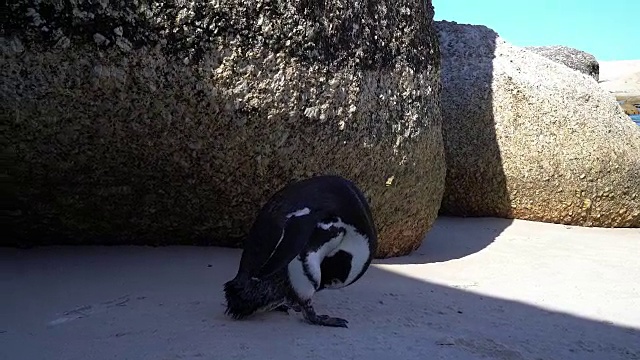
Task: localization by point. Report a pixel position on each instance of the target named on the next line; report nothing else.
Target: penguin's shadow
(453, 238)
(267, 319)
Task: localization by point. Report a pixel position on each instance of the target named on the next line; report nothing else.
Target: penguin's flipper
(295, 235)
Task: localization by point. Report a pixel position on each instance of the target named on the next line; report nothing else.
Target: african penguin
(313, 234)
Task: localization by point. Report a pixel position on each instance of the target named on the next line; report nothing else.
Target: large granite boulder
(570, 57)
(527, 138)
(174, 122)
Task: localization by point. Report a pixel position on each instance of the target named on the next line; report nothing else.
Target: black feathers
(335, 267)
(246, 296)
(297, 231)
(237, 307)
(299, 219)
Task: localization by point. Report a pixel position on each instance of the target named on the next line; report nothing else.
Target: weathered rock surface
(528, 138)
(174, 123)
(573, 58)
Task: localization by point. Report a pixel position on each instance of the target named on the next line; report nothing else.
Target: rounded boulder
(163, 123)
(527, 138)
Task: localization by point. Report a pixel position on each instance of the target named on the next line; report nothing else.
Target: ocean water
(635, 118)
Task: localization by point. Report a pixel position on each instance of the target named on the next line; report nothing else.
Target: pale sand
(621, 78)
(477, 289)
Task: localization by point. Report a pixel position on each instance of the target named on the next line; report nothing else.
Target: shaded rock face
(158, 124)
(528, 138)
(573, 58)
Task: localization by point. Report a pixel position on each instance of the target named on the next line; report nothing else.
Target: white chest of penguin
(305, 270)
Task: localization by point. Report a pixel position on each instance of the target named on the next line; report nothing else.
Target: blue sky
(604, 29)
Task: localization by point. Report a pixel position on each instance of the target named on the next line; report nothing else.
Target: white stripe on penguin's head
(301, 212)
(327, 225)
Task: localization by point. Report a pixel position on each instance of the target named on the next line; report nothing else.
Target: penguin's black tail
(240, 303)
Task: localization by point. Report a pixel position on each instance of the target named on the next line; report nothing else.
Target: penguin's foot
(323, 320)
(282, 308)
(326, 320)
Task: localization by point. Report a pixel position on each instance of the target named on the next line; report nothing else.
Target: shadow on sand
(451, 239)
(476, 184)
(142, 303)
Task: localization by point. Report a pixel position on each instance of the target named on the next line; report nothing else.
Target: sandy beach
(479, 288)
(621, 78)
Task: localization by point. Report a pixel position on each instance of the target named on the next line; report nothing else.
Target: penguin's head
(335, 269)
